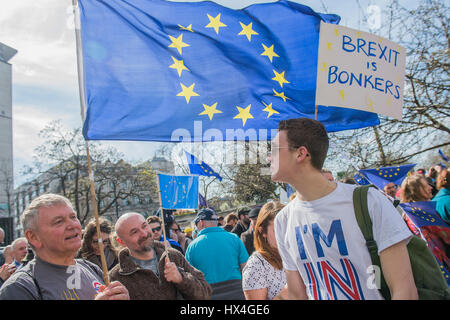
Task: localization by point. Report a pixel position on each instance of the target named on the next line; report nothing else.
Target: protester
(324, 207)
(243, 222)
(145, 270)
(90, 249)
(19, 251)
(8, 268)
(263, 277)
(231, 221)
(247, 236)
(188, 233)
(442, 198)
(220, 221)
(53, 230)
(220, 255)
(390, 189)
(177, 234)
(415, 188)
(7, 254)
(157, 233)
(2, 238)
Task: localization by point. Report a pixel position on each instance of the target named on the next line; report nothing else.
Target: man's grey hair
(29, 215)
(13, 244)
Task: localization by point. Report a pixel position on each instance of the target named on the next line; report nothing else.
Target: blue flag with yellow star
(423, 213)
(200, 168)
(178, 192)
(382, 176)
(361, 180)
(197, 71)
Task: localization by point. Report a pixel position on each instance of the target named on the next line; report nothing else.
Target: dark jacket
(239, 228)
(145, 285)
(247, 239)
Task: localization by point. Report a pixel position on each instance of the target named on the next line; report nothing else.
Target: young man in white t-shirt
(321, 245)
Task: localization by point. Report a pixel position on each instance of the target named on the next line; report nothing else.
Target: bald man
(145, 270)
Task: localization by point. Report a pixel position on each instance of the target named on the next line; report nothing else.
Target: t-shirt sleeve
(19, 286)
(388, 225)
(280, 226)
(254, 275)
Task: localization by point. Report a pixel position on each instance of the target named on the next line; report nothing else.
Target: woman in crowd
(442, 198)
(90, 249)
(263, 277)
(415, 188)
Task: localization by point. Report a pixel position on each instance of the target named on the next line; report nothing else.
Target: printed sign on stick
(360, 70)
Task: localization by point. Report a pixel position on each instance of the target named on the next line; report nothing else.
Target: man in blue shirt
(220, 255)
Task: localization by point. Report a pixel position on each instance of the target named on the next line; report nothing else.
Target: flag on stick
(178, 192)
(200, 168)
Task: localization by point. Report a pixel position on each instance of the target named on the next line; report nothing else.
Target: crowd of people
(273, 251)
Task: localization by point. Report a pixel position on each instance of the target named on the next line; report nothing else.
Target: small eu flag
(178, 192)
(200, 168)
(423, 213)
(359, 178)
(168, 71)
(382, 176)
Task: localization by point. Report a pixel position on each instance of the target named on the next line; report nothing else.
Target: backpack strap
(365, 224)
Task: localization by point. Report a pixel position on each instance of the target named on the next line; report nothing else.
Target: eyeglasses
(176, 230)
(156, 229)
(273, 148)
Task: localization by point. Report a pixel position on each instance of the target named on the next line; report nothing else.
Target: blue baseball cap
(206, 214)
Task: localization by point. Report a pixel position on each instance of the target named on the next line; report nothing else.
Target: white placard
(360, 70)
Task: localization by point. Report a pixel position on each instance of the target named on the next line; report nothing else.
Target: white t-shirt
(258, 273)
(322, 240)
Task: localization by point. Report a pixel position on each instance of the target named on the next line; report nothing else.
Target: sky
(45, 83)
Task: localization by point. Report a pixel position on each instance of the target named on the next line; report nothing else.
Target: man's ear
(33, 239)
(302, 153)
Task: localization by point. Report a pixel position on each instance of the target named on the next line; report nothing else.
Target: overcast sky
(45, 85)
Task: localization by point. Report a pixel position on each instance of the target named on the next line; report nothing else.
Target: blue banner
(178, 192)
(423, 213)
(382, 176)
(197, 71)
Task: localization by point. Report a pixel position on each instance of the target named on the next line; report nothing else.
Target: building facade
(119, 189)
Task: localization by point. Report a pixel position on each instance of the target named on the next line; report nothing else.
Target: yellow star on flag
(268, 51)
(188, 28)
(210, 110)
(178, 65)
(341, 94)
(215, 23)
(269, 109)
(187, 92)
(279, 77)
(281, 95)
(329, 45)
(244, 114)
(247, 30)
(178, 43)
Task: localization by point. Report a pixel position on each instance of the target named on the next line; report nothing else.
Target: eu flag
(382, 176)
(200, 168)
(423, 213)
(197, 71)
(443, 156)
(178, 192)
(361, 180)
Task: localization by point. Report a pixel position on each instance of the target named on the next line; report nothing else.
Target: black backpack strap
(365, 224)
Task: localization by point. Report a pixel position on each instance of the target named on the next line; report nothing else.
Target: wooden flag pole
(315, 113)
(166, 249)
(97, 223)
(83, 112)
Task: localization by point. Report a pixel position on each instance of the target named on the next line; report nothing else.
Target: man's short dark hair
(310, 134)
